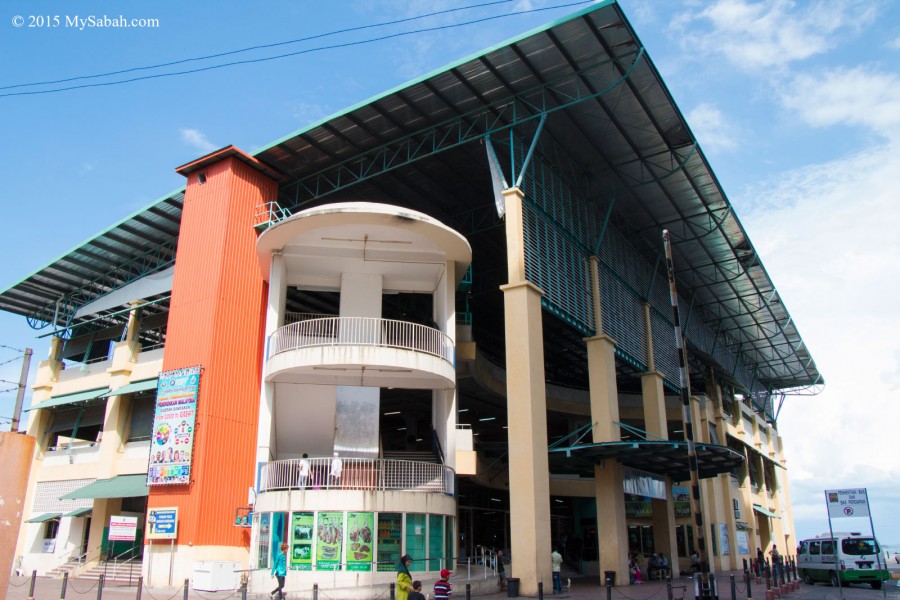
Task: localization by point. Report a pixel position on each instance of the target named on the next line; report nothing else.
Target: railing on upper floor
(371, 474)
(361, 331)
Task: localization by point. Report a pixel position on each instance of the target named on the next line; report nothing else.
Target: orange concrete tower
(217, 322)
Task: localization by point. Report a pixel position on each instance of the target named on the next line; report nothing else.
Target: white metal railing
(361, 331)
(373, 474)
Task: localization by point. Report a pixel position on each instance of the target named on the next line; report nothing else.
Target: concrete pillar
(275, 307)
(529, 487)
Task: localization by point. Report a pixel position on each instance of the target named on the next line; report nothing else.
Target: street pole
(20, 394)
(705, 591)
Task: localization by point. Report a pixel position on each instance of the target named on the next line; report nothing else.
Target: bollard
(100, 586)
(187, 587)
(733, 588)
(468, 591)
(749, 592)
(669, 588)
(31, 589)
(140, 588)
(315, 591)
(65, 583)
(392, 592)
(608, 588)
(541, 590)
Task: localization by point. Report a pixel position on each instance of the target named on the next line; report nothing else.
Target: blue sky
(796, 105)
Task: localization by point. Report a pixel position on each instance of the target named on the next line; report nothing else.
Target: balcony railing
(361, 331)
(370, 474)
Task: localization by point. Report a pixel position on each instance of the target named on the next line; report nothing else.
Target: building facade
(436, 323)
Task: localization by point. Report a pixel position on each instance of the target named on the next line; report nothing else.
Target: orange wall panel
(217, 321)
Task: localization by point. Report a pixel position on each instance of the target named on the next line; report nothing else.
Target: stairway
(121, 573)
(422, 456)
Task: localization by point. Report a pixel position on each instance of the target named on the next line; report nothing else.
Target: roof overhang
(121, 486)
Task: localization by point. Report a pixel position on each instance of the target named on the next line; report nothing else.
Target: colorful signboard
(302, 528)
(329, 541)
(682, 497)
(162, 524)
(743, 542)
(122, 529)
(172, 441)
(847, 503)
(360, 541)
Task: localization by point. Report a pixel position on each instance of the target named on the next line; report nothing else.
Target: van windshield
(858, 546)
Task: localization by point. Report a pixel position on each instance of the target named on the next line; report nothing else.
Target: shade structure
(71, 398)
(131, 388)
(44, 517)
(765, 511)
(123, 486)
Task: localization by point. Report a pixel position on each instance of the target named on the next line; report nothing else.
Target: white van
(842, 558)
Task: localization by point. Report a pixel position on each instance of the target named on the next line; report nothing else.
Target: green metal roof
(44, 517)
(137, 386)
(79, 512)
(71, 398)
(122, 486)
(765, 511)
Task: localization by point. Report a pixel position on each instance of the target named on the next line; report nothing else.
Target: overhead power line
(297, 53)
(259, 47)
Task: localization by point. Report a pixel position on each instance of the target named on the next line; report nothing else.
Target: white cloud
(770, 33)
(197, 139)
(712, 128)
(847, 96)
(826, 234)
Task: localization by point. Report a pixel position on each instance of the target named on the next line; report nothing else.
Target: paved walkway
(581, 589)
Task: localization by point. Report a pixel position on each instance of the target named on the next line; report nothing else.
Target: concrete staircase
(115, 573)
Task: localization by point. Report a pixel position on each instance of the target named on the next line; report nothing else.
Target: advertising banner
(172, 441)
(724, 542)
(682, 497)
(360, 528)
(847, 503)
(302, 526)
(743, 542)
(329, 541)
(162, 524)
(122, 529)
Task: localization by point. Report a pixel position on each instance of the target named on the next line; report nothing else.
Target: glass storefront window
(435, 542)
(262, 543)
(390, 529)
(415, 541)
(448, 544)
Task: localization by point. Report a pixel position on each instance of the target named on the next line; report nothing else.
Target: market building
(436, 323)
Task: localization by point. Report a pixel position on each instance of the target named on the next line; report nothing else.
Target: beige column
(612, 530)
(529, 471)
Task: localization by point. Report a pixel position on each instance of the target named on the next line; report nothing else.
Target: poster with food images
(172, 442)
(360, 540)
(329, 541)
(302, 528)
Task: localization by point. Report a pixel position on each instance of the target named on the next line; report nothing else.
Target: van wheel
(807, 579)
(835, 580)
(876, 585)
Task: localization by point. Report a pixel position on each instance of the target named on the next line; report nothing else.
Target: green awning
(79, 513)
(137, 386)
(44, 517)
(71, 398)
(123, 486)
(765, 511)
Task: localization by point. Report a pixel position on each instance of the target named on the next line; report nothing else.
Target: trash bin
(512, 587)
(609, 577)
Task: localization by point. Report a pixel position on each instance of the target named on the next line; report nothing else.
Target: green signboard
(360, 541)
(329, 541)
(302, 527)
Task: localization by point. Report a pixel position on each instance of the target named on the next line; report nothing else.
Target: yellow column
(612, 530)
(529, 471)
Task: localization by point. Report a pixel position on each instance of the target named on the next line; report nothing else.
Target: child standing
(442, 588)
(416, 593)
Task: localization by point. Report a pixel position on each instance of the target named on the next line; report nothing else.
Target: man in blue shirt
(279, 571)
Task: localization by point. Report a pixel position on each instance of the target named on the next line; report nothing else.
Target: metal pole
(541, 590)
(392, 596)
(705, 591)
(468, 591)
(749, 591)
(65, 583)
(609, 588)
(315, 591)
(187, 587)
(140, 588)
(20, 394)
(733, 588)
(31, 588)
(100, 586)
(669, 588)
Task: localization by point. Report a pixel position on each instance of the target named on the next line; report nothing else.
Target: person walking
(404, 579)
(303, 472)
(501, 570)
(555, 566)
(279, 571)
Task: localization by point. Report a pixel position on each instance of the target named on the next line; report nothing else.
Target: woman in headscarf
(404, 579)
